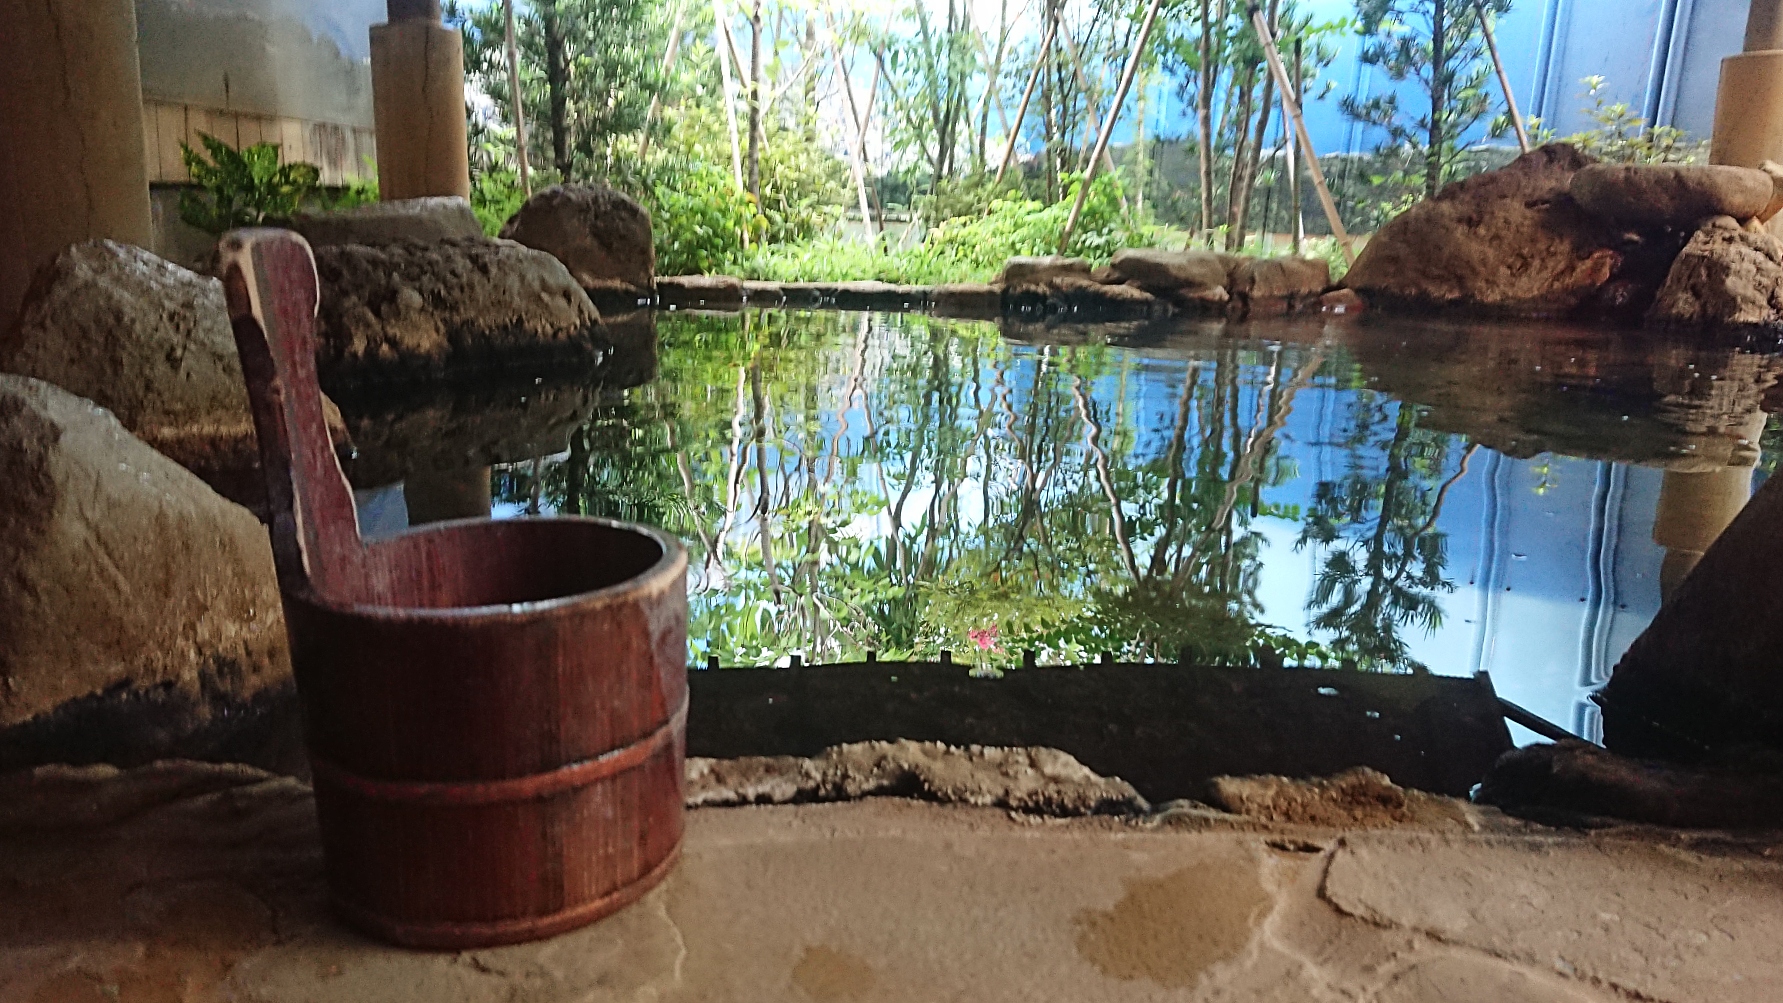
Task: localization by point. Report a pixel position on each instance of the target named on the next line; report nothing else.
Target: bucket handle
(269, 278)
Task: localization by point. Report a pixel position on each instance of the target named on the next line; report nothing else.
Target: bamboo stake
(668, 63)
(1299, 221)
(1114, 115)
(730, 95)
(1028, 95)
(1510, 100)
(514, 97)
(1286, 87)
(854, 149)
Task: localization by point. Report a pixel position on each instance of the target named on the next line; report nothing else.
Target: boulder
(1285, 278)
(1081, 294)
(1192, 273)
(408, 311)
(1703, 676)
(1726, 277)
(149, 341)
(429, 219)
(1033, 271)
(1510, 241)
(1774, 171)
(1033, 780)
(717, 292)
(1342, 301)
(601, 236)
(1670, 195)
(967, 300)
(121, 573)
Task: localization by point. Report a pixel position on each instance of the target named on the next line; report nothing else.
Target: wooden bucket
(495, 711)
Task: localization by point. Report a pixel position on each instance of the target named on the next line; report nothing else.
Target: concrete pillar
(72, 159)
(436, 496)
(417, 85)
(1694, 507)
(1749, 103)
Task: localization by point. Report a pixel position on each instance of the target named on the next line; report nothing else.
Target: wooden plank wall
(343, 152)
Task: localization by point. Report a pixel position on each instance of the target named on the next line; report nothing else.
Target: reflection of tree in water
(1383, 557)
(849, 483)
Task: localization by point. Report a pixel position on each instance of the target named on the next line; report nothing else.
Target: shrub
(246, 187)
(701, 221)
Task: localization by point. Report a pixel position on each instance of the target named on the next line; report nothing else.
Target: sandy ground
(190, 882)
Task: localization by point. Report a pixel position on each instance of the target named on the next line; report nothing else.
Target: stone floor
(187, 882)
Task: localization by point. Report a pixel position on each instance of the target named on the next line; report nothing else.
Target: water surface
(1391, 495)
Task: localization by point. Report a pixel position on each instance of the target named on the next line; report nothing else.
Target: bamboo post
(1285, 85)
(514, 99)
(730, 93)
(1510, 100)
(1114, 115)
(1027, 95)
(857, 148)
(1299, 221)
(668, 63)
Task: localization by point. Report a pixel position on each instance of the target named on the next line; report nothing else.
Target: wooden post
(1312, 156)
(1510, 100)
(1027, 95)
(668, 62)
(1114, 115)
(514, 100)
(857, 149)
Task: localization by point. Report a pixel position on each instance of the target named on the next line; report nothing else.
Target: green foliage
(496, 196)
(836, 258)
(1623, 137)
(1437, 44)
(1017, 226)
(588, 69)
(356, 192)
(702, 221)
(243, 187)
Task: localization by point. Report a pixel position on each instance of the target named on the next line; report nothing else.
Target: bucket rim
(660, 575)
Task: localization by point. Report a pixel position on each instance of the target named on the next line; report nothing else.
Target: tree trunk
(557, 85)
(753, 165)
(1204, 116)
(810, 79)
(1247, 93)
(1439, 97)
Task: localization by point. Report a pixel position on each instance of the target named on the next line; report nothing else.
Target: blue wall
(1662, 57)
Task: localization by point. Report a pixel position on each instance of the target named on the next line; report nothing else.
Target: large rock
(151, 342)
(1726, 277)
(601, 236)
(1674, 195)
(425, 219)
(967, 300)
(416, 311)
(1703, 675)
(1032, 271)
(1035, 780)
(121, 573)
(1510, 241)
(1265, 286)
(716, 292)
(1168, 272)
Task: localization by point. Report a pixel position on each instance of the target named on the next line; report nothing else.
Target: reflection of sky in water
(931, 485)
